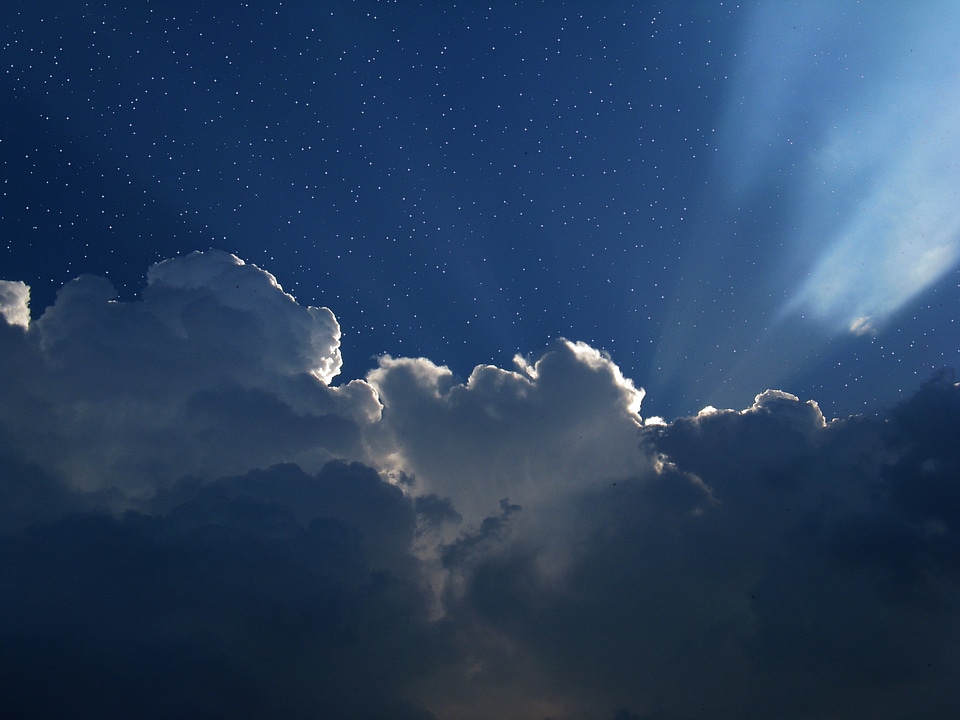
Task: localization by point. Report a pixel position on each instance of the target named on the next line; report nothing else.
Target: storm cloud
(196, 520)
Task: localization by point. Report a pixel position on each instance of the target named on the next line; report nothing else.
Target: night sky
(363, 359)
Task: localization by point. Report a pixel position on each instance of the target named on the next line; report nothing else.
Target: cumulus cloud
(213, 370)
(770, 567)
(15, 302)
(567, 420)
(195, 520)
(296, 339)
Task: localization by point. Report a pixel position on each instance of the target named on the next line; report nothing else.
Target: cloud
(15, 302)
(772, 567)
(567, 420)
(861, 326)
(232, 604)
(213, 370)
(297, 339)
(194, 520)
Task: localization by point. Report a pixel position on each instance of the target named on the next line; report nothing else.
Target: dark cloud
(435, 511)
(771, 568)
(233, 604)
(195, 521)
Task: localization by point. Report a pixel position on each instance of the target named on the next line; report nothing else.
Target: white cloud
(215, 370)
(15, 302)
(568, 420)
(861, 326)
(297, 339)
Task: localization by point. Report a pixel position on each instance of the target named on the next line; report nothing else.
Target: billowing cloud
(213, 370)
(15, 302)
(195, 520)
(771, 567)
(569, 419)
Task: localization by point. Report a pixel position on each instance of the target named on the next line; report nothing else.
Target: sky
(451, 361)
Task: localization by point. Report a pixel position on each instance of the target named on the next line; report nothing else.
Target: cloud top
(526, 433)
(297, 339)
(214, 369)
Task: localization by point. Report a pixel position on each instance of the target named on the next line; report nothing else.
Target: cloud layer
(195, 520)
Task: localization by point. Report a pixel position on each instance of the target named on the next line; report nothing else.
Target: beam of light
(894, 167)
(834, 198)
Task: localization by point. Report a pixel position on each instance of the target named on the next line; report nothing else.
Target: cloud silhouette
(772, 566)
(194, 520)
(229, 605)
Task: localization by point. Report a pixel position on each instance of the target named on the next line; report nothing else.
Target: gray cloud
(194, 520)
(567, 420)
(772, 566)
(213, 370)
(233, 604)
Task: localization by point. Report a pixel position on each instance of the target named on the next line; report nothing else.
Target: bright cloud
(523, 434)
(213, 370)
(15, 302)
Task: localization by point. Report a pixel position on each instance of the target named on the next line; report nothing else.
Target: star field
(460, 181)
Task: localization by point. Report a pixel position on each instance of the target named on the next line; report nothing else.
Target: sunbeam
(839, 178)
(895, 163)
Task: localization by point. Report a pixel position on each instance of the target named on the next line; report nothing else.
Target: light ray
(902, 234)
(838, 170)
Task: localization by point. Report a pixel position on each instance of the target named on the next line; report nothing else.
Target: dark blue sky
(467, 181)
